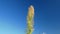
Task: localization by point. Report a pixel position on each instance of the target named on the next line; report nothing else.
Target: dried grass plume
(30, 18)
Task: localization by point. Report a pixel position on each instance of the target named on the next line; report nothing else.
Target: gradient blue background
(13, 16)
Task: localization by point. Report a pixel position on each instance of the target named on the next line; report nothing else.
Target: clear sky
(13, 15)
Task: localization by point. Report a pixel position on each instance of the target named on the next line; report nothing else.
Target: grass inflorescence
(30, 18)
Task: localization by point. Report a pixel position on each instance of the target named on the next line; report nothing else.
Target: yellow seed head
(30, 17)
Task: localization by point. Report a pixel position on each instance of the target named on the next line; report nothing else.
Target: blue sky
(13, 16)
